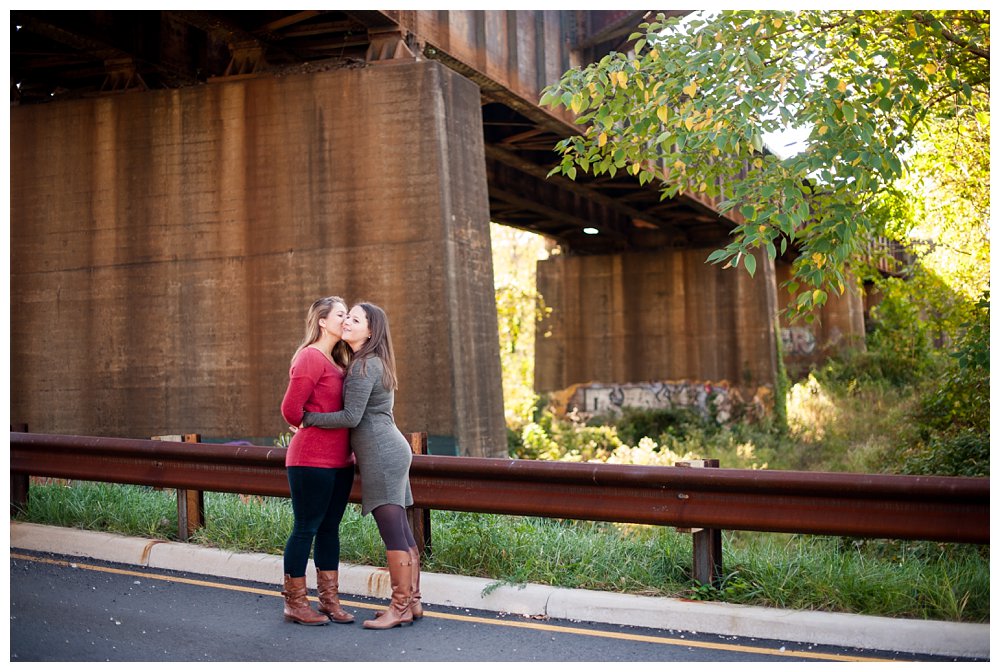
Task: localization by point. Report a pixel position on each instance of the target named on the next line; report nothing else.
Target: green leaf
(716, 256)
(751, 264)
(849, 114)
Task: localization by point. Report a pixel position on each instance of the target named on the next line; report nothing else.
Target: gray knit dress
(382, 452)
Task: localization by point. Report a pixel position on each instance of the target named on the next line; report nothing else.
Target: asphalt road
(66, 609)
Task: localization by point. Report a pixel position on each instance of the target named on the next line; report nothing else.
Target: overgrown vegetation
(901, 406)
(952, 420)
(914, 401)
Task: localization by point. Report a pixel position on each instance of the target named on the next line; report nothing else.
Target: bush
(553, 438)
(899, 346)
(962, 453)
(872, 368)
(962, 397)
(569, 439)
(536, 444)
(634, 424)
(953, 420)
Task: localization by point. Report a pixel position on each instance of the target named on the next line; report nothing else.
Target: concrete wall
(839, 325)
(166, 245)
(630, 318)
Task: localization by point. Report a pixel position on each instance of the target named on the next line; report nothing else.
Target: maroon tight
(394, 528)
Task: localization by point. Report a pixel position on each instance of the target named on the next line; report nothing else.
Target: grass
(886, 578)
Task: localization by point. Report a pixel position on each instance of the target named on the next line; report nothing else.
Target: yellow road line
(669, 641)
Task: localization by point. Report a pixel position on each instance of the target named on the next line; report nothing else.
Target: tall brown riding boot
(328, 585)
(416, 608)
(400, 577)
(297, 607)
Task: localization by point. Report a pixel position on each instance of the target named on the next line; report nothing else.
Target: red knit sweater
(315, 384)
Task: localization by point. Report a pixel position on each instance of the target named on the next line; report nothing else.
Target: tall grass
(899, 579)
(122, 509)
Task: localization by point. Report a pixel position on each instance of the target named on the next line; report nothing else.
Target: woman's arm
(302, 379)
(357, 390)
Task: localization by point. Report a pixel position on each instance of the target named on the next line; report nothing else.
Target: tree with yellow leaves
(690, 105)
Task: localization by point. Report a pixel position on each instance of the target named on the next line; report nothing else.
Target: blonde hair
(379, 345)
(320, 310)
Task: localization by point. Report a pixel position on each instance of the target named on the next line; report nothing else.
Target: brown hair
(378, 345)
(321, 309)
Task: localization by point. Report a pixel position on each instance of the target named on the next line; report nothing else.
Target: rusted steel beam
(934, 508)
(607, 25)
(513, 160)
(255, 470)
(897, 507)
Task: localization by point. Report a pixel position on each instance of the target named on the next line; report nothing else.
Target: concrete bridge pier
(637, 318)
(655, 316)
(838, 326)
(165, 246)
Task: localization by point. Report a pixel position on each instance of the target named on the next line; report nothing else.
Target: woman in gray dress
(383, 455)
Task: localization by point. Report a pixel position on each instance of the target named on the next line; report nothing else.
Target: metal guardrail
(934, 508)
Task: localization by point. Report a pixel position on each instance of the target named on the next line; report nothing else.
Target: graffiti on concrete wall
(798, 341)
(718, 401)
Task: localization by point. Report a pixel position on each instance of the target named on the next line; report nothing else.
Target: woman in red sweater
(319, 463)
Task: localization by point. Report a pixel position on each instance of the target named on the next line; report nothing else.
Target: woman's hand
(294, 429)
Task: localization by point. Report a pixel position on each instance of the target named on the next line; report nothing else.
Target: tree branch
(963, 44)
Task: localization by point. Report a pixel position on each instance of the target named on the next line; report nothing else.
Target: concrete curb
(967, 640)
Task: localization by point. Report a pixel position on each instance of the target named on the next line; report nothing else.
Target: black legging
(319, 497)
(393, 527)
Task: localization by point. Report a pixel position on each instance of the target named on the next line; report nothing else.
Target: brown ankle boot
(400, 577)
(327, 584)
(297, 607)
(416, 608)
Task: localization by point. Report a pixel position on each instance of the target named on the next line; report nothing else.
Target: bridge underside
(57, 55)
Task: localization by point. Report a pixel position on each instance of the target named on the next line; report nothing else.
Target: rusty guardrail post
(420, 518)
(190, 503)
(706, 544)
(19, 483)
